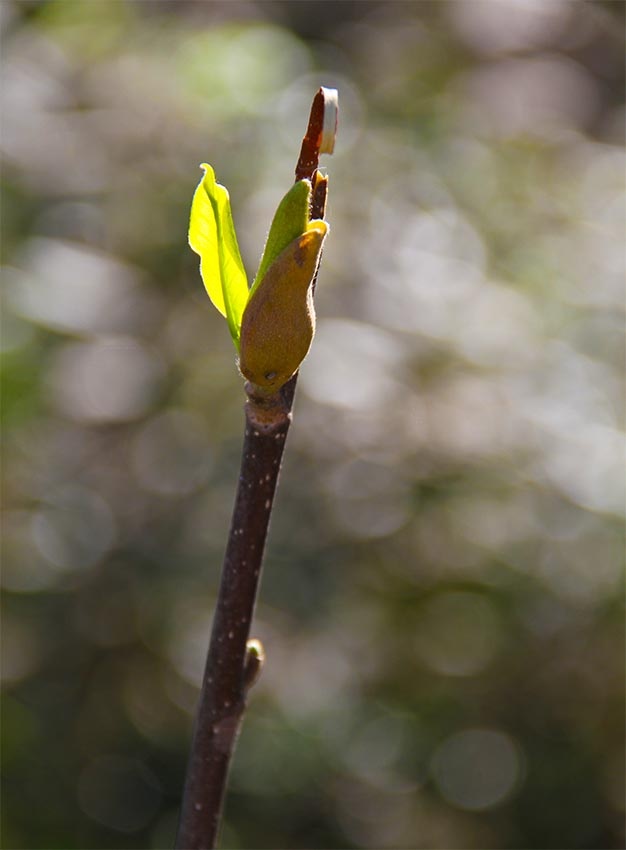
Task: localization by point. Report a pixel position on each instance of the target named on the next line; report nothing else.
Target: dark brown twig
(233, 662)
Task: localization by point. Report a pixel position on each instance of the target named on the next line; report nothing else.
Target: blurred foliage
(442, 599)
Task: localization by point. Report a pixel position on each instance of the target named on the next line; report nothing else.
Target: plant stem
(232, 663)
(224, 687)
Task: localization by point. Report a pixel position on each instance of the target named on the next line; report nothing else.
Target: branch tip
(329, 124)
(320, 133)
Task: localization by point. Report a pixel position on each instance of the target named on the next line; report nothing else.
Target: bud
(278, 322)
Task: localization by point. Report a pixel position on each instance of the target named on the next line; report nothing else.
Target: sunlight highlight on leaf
(212, 236)
(290, 220)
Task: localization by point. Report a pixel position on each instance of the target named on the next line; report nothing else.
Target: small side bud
(255, 658)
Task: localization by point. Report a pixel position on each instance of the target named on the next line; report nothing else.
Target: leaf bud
(278, 322)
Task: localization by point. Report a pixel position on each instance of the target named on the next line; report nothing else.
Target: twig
(233, 662)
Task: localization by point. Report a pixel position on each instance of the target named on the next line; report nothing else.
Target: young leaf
(212, 236)
(279, 320)
(290, 220)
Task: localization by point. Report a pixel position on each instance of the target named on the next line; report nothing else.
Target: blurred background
(442, 603)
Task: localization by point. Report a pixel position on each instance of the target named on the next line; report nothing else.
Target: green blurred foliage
(442, 599)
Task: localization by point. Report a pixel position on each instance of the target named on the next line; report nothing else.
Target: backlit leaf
(290, 220)
(212, 236)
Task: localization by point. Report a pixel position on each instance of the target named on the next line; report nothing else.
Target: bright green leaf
(212, 236)
(291, 219)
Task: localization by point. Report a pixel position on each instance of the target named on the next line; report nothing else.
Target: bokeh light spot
(457, 633)
(112, 379)
(477, 769)
(352, 365)
(74, 529)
